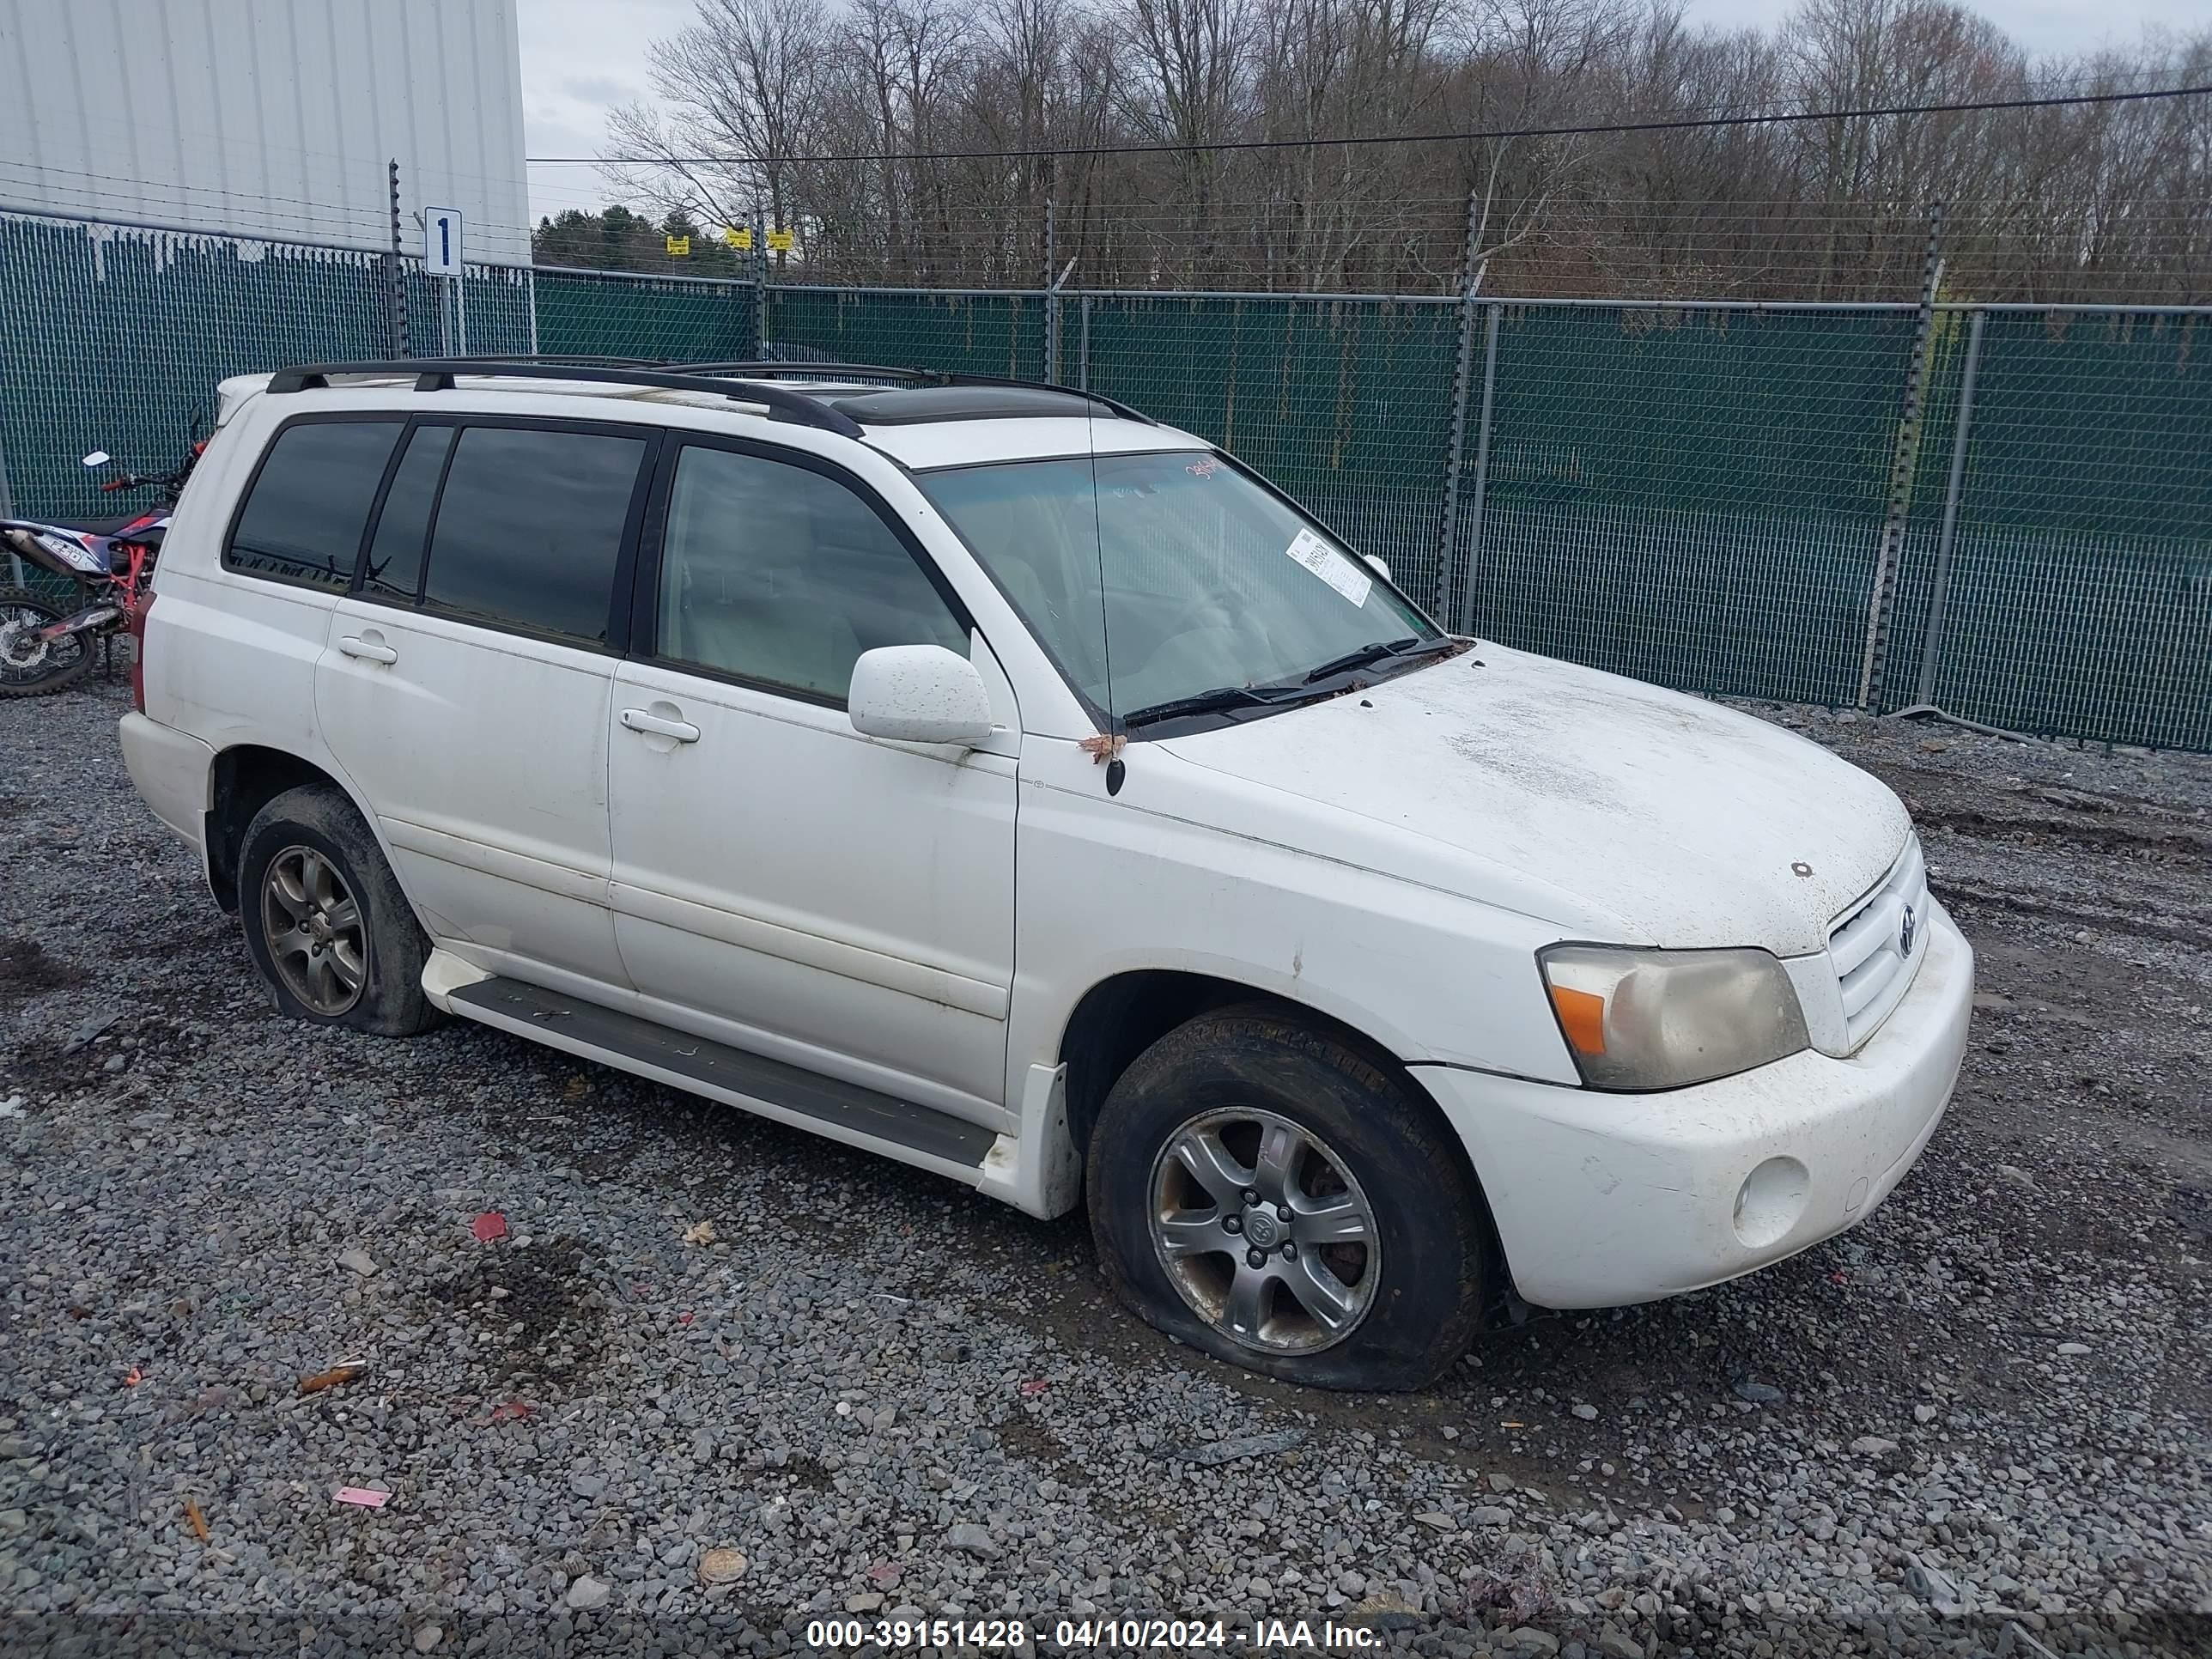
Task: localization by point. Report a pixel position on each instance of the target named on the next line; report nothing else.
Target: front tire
(1267, 1194)
(325, 921)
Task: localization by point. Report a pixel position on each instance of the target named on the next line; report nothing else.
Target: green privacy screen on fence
(594, 314)
(1345, 405)
(114, 339)
(1689, 493)
(113, 336)
(1692, 496)
(2079, 599)
(972, 333)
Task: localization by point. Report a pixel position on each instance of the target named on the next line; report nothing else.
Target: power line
(1216, 146)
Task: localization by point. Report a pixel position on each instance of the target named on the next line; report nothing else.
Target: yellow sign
(739, 237)
(679, 247)
(779, 241)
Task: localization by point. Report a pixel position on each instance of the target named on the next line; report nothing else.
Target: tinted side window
(529, 526)
(395, 552)
(310, 502)
(776, 573)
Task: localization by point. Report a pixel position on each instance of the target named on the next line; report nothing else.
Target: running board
(789, 1094)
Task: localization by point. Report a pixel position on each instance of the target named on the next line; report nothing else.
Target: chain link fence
(2059, 575)
(968, 332)
(610, 313)
(1691, 492)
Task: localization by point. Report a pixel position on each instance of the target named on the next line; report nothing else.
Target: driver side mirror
(918, 694)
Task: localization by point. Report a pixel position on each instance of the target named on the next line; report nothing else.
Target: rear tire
(1365, 1262)
(325, 921)
(59, 662)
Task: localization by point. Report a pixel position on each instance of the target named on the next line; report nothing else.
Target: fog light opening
(1770, 1201)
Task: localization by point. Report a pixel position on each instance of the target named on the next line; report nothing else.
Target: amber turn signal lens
(1581, 1017)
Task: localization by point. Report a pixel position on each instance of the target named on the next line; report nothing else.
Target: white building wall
(268, 118)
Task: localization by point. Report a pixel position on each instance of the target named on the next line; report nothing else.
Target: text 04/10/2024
(1094, 1634)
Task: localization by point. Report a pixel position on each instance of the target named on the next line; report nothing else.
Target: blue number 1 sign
(441, 241)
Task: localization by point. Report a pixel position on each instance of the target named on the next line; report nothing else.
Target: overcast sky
(581, 57)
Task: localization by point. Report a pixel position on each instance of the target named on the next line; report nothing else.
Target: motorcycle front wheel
(30, 666)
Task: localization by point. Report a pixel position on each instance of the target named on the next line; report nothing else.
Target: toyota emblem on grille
(1904, 933)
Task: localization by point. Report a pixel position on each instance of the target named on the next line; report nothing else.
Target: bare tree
(912, 139)
(745, 83)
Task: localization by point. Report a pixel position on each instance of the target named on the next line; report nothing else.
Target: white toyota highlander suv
(986, 775)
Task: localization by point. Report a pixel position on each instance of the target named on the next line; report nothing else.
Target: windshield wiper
(1275, 696)
(1411, 646)
(1213, 701)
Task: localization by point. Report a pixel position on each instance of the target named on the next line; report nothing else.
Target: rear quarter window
(307, 506)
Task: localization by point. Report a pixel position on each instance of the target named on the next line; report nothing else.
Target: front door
(835, 900)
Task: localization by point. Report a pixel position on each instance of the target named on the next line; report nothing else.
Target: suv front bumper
(1606, 1199)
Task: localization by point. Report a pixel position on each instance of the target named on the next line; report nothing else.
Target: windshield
(1210, 581)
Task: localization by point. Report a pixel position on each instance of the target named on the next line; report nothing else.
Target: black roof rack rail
(915, 374)
(582, 357)
(437, 374)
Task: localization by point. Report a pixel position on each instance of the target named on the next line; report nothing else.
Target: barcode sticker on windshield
(1331, 566)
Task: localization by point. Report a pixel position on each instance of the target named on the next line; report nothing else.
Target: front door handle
(368, 650)
(641, 720)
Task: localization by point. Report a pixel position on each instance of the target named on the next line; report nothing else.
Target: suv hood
(1622, 811)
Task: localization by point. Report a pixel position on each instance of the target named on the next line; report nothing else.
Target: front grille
(1873, 972)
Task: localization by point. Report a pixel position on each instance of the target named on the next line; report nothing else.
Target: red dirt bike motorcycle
(46, 636)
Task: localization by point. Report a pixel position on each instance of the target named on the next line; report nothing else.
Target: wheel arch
(1122, 1016)
(247, 777)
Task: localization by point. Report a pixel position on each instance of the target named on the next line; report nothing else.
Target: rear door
(466, 683)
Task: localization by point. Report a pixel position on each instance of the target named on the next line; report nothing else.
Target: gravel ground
(1978, 1423)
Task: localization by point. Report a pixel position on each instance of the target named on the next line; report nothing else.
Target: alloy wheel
(1264, 1231)
(315, 930)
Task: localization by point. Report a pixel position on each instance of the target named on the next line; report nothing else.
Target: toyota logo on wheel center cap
(1260, 1227)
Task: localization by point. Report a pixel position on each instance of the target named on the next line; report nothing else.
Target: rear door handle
(368, 650)
(639, 720)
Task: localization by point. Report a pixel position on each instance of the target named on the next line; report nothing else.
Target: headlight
(1659, 1019)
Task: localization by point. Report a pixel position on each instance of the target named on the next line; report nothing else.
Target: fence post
(760, 281)
(396, 276)
(7, 511)
(1481, 466)
(1083, 349)
(1051, 299)
(1903, 462)
(1931, 646)
(1449, 602)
